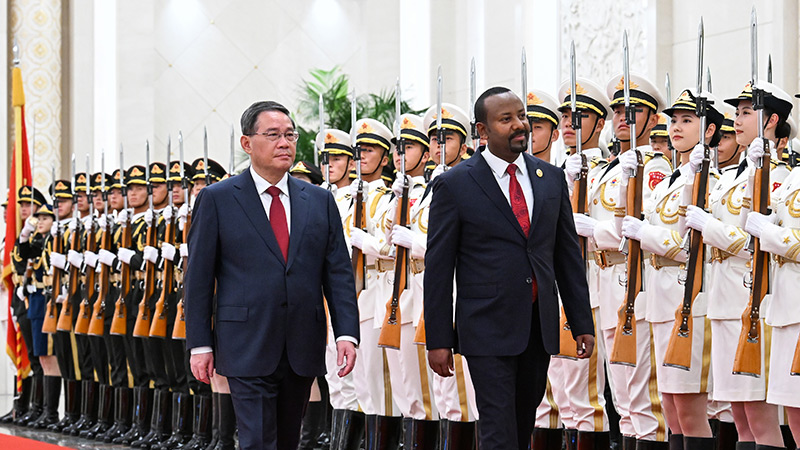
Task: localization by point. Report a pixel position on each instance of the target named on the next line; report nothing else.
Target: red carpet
(16, 442)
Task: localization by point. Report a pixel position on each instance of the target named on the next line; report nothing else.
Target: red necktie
(520, 209)
(277, 218)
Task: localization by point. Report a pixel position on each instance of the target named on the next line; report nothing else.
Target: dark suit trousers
(269, 410)
(508, 389)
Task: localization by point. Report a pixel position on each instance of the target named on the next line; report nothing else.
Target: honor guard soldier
(659, 138)
(723, 231)
(684, 389)
(306, 171)
(544, 117)
(372, 140)
(583, 380)
(411, 377)
(215, 173)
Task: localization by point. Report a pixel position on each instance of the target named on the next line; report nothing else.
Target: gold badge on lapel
(539, 173)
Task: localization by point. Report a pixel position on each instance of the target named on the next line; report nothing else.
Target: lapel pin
(539, 173)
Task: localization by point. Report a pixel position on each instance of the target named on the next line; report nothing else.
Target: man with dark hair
(256, 271)
(501, 223)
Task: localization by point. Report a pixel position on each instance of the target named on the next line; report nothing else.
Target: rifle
(65, 319)
(524, 97)
(179, 328)
(624, 349)
(84, 314)
(158, 328)
(97, 325)
(141, 327)
(472, 122)
(119, 325)
(568, 345)
(358, 259)
(51, 316)
(748, 353)
(673, 152)
(679, 349)
(390, 331)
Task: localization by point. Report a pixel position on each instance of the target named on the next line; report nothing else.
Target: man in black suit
(501, 223)
(270, 246)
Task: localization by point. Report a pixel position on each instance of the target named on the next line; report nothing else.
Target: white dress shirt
(499, 168)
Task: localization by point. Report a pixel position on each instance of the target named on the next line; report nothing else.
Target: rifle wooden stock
(679, 349)
(142, 326)
(179, 328)
(358, 259)
(158, 327)
(97, 324)
(119, 325)
(65, 319)
(85, 314)
(795, 369)
(419, 335)
(50, 324)
(624, 349)
(748, 353)
(390, 331)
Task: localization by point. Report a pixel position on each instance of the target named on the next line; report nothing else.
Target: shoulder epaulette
(776, 163)
(383, 189)
(597, 161)
(649, 156)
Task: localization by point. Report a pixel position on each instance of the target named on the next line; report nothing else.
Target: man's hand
(202, 366)
(441, 361)
(585, 345)
(345, 355)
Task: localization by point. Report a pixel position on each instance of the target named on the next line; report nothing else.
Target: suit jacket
(473, 234)
(263, 304)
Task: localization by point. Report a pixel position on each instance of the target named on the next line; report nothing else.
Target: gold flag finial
(15, 53)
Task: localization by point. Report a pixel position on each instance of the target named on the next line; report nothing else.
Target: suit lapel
(538, 188)
(248, 199)
(299, 212)
(482, 173)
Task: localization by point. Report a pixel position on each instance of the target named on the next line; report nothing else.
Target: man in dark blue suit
(501, 223)
(263, 250)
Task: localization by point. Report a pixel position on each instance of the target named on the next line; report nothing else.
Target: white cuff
(200, 350)
(345, 338)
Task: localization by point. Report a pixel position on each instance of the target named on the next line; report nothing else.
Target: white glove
(73, 224)
(168, 212)
(756, 223)
(58, 260)
(184, 250)
(148, 217)
(633, 228)
(167, 251)
(756, 150)
(573, 166)
(628, 163)
(357, 237)
(54, 230)
(122, 217)
(63, 296)
(31, 288)
(397, 186)
(183, 213)
(334, 190)
(696, 218)
(21, 293)
(437, 171)
(75, 258)
(151, 254)
(354, 188)
(28, 229)
(584, 224)
(125, 255)
(102, 222)
(402, 236)
(696, 157)
(87, 221)
(90, 258)
(106, 257)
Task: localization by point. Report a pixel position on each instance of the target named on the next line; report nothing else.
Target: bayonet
(184, 182)
(147, 174)
(673, 151)
(525, 96)
(89, 189)
(325, 157)
(439, 130)
(709, 86)
(472, 88)
(123, 187)
(769, 68)
(33, 158)
(169, 183)
(231, 162)
(103, 185)
(630, 110)
(205, 156)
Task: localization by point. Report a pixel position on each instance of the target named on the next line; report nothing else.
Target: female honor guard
(756, 421)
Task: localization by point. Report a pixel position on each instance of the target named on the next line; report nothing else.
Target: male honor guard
(659, 137)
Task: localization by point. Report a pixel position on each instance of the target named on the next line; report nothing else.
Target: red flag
(19, 175)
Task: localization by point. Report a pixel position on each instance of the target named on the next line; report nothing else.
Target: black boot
(313, 422)
(159, 421)
(201, 424)
(546, 439)
(651, 445)
(788, 439)
(226, 423)
(699, 443)
(570, 439)
(420, 434)
(455, 435)
(675, 442)
(593, 440)
(629, 443)
(726, 436)
(88, 409)
(747, 445)
(214, 421)
(52, 394)
(768, 447)
(17, 404)
(72, 406)
(122, 415)
(383, 432)
(347, 429)
(142, 397)
(36, 405)
(104, 409)
(181, 422)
